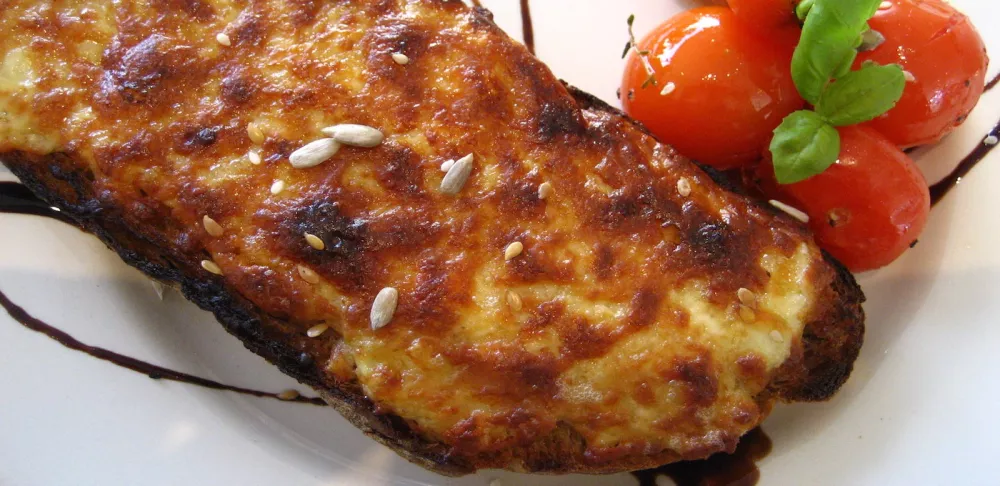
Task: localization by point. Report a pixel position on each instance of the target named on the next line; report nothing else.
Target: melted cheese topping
(631, 332)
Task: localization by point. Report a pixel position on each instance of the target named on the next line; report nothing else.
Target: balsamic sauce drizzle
(945, 185)
(151, 370)
(527, 28)
(737, 469)
(16, 198)
(992, 84)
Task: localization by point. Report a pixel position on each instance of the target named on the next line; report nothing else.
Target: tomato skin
(765, 14)
(867, 208)
(732, 85)
(947, 57)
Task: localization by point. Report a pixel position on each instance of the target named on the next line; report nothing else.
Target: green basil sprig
(829, 42)
(861, 95)
(807, 143)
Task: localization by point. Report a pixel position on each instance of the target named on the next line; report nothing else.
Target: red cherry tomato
(765, 14)
(867, 208)
(721, 86)
(947, 58)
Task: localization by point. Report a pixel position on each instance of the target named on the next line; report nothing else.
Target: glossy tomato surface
(867, 208)
(947, 59)
(721, 86)
(765, 14)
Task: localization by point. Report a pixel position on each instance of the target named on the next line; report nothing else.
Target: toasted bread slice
(651, 315)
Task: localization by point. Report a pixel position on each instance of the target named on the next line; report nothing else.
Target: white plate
(921, 407)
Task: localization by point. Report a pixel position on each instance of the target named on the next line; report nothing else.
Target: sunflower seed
(668, 88)
(317, 330)
(288, 395)
(213, 228)
(384, 307)
(354, 135)
(513, 250)
(314, 153)
(545, 190)
(314, 241)
(457, 175)
(308, 274)
(211, 267)
(400, 58)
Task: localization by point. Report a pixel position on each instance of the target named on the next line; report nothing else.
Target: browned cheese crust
(630, 347)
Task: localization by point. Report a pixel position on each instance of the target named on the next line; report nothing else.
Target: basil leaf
(803, 145)
(862, 95)
(828, 43)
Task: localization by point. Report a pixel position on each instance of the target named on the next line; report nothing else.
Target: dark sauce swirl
(151, 370)
(736, 469)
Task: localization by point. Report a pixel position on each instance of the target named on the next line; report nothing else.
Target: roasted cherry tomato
(867, 208)
(765, 14)
(947, 59)
(721, 86)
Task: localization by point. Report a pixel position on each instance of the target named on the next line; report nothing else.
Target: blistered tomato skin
(947, 59)
(868, 208)
(721, 86)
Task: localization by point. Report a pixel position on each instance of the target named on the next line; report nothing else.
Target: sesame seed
(315, 242)
(776, 336)
(384, 307)
(791, 211)
(545, 190)
(354, 135)
(211, 267)
(513, 300)
(277, 187)
(400, 58)
(223, 39)
(747, 314)
(683, 187)
(308, 274)
(317, 330)
(446, 165)
(747, 297)
(254, 157)
(910, 78)
(255, 133)
(211, 226)
(457, 175)
(158, 287)
(668, 88)
(885, 5)
(288, 395)
(513, 250)
(991, 140)
(314, 153)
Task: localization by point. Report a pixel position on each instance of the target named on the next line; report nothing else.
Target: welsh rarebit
(574, 297)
